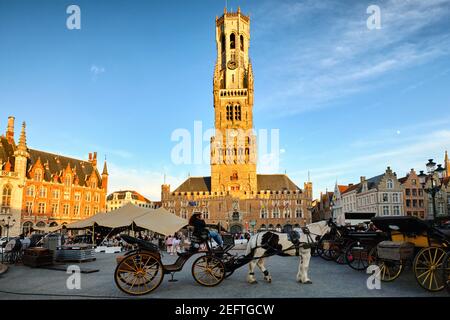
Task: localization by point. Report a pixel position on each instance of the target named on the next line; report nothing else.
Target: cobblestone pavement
(329, 280)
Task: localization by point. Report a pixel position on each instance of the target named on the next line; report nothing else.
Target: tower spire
(105, 169)
(447, 164)
(23, 139)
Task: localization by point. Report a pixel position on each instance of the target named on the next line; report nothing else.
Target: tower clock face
(231, 64)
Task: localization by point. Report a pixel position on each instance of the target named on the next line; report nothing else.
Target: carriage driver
(199, 226)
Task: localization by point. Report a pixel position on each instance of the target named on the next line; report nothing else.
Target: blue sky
(348, 101)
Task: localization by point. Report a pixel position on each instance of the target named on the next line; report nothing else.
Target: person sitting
(200, 226)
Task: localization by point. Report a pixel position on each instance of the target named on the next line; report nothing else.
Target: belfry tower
(233, 147)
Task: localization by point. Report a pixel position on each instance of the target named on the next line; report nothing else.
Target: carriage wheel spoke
(125, 262)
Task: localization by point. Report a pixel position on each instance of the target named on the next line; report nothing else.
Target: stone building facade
(382, 195)
(120, 198)
(44, 189)
(235, 195)
(337, 201)
(414, 197)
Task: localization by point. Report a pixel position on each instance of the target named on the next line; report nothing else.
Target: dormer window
(390, 184)
(38, 175)
(68, 180)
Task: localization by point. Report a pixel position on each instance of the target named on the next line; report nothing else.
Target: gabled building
(45, 189)
(337, 201)
(414, 197)
(382, 195)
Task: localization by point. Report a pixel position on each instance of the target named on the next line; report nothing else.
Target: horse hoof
(308, 282)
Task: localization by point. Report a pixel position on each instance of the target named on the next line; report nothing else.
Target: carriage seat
(142, 244)
(199, 238)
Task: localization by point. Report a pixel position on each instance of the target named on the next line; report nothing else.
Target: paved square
(329, 280)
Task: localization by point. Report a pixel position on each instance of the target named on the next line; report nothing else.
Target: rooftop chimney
(10, 130)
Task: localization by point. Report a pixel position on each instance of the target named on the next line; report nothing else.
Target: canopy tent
(161, 221)
(88, 222)
(123, 217)
(157, 220)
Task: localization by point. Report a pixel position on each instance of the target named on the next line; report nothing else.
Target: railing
(8, 174)
(233, 92)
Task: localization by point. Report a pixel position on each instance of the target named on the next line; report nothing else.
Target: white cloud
(325, 67)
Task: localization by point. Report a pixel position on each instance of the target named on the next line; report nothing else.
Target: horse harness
(273, 248)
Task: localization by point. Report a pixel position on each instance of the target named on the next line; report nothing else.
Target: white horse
(269, 243)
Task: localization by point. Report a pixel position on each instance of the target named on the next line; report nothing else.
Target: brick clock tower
(233, 147)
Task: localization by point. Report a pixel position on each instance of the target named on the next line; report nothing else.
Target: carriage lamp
(435, 186)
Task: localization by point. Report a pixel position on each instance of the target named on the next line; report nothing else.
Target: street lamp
(435, 186)
(7, 223)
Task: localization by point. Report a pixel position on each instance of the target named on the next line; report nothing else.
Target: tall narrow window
(237, 112)
(242, 42)
(232, 41)
(6, 199)
(68, 181)
(229, 112)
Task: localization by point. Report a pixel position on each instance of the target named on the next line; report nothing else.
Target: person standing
(169, 244)
(176, 243)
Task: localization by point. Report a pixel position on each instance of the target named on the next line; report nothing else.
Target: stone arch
(236, 228)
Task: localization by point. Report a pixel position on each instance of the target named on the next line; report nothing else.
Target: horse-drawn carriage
(141, 270)
(413, 242)
(353, 245)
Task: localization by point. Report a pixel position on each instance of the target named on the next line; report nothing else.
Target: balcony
(233, 93)
(8, 174)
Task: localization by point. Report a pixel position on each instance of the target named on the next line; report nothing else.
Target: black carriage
(141, 270)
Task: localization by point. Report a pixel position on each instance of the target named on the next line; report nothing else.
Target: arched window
(6, 199)
(40, 224)
(26, 227)
(390, 184)
(242, 42)
(222, 40)
(232, 41)
(38, 175)
(263, 214)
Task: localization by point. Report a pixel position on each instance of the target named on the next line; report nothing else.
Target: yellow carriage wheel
(389, 270)
(139, 273)
(428, 268)
(208, 271)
